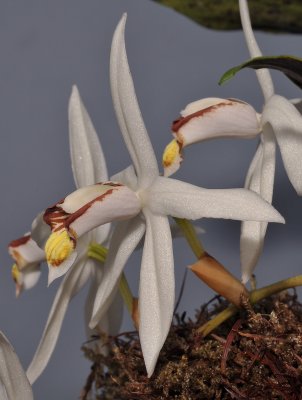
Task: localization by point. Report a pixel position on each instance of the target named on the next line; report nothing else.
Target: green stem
(255, 297)
(190, 234)
(99, 253)
(126, 293)
(259, 294)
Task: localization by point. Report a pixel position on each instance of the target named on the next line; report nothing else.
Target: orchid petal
(208, 119)
(260, 178)
(124, 241)
(263, 75)
(298, 104)
(27, 278)
(87, 158)
(70, 286)
(216, 118)
(157, 288)
(172, 197)
(286, 122)
(80, 212)
(96, 205)
(112, 319)
(127, 177)
(25, 252)
(56, 271)
(13, 381)
(40, 230)
(127, 111)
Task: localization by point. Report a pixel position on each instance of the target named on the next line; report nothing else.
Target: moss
(255, 356)
(270, 15)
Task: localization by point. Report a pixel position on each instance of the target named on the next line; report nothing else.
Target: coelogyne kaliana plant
(133, 207)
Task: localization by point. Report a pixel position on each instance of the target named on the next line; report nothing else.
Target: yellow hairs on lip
(58, 247)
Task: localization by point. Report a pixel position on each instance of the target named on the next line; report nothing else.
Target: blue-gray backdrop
(46, 47)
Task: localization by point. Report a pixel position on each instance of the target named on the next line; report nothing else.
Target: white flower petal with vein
(207, 119)
(14, 384)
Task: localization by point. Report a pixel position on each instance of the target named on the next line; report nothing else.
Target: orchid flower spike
(140, 201)
(14, 384)
(280, 122)
(88, 166)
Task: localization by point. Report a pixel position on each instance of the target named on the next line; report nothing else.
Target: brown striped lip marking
(58, 219)
(55, 217)
(178, 123)
(109, 183)
(20, 241)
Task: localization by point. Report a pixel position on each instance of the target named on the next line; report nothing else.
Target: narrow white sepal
(156, 288)
(69, 287)
(260, 178)
(286, 122)
(124, 240)
(263, 75)
(128, 112)
(13, 380)
(127, 177)
(111, 321)
(87, 158)
(179, 199)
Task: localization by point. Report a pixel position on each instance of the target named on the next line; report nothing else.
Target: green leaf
(291, 67)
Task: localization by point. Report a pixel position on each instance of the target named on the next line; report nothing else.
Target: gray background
(45, 47)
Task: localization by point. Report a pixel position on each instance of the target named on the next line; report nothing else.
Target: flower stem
(99, 253)
(126, 294)
(190, 234)
(255, 296)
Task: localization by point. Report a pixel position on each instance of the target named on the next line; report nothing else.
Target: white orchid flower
(205, 119)
(88, 166)
(141, 201)
(28, 256)
(280, 122)
(14, 384)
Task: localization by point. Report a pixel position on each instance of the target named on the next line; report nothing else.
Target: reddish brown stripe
(55, 217)
(177, 124)
(20, 241)
(113, 184)
(83, 209)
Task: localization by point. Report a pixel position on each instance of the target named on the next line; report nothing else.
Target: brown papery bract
(218, 278)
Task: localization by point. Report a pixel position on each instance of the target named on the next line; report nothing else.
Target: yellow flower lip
(59, 247)
(16, 273)
(172, 157)
(172, 151)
